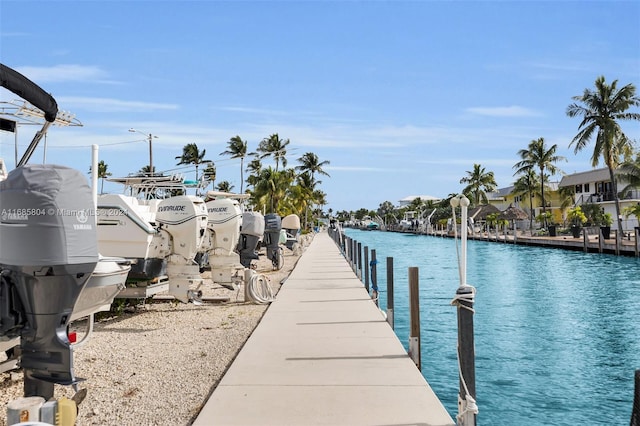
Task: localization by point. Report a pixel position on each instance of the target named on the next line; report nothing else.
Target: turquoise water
(557, 333)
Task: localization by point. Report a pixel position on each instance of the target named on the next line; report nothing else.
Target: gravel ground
(158, 364)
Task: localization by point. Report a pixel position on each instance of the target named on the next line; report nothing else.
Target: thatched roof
(514, 213)
(481, 212)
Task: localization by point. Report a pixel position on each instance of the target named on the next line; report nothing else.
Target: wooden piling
(374, 277)
(466, 353)
(359, 266)
(414, 317)
(366, 269)
(390, 291)
(635, 411)
(600, 240)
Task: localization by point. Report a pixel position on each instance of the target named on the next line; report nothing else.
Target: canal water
(557, 332)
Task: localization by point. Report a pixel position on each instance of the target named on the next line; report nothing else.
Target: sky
(400, 97)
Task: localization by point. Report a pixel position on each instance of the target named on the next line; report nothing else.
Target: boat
(159, 231)
(43, 287)
(106, 281)
(368, 224)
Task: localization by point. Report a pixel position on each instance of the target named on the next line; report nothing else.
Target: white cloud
(111, 105)
(509, 111)
(64, 72)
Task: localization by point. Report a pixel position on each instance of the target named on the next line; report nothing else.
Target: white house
(595, 187)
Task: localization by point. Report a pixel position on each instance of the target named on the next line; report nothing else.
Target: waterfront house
(595, 187)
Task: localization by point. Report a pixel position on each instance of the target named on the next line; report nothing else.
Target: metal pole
(150, 155)
(414, 317)
(390, 291)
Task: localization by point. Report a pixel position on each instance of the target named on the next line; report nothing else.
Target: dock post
(390, 291)
(636, 230)
(585, 238)
(359, 265)
(414, 317)
(354, 256)
(467, 408)
(600, 240)
(366, 269)
(374, 277)
(635, 411)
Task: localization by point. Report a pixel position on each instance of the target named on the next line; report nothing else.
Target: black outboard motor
(48, 250)
(250, 234)
(272, 227)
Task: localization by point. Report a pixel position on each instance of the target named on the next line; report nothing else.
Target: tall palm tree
(601, 110)
(237, 148)
(210, 172)
(309, 163)
(274, 147)
(479, 183)
(527, 185)
(192, 155)
(537, 155)
(253, 168)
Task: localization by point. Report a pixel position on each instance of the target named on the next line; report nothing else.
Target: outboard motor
(291, 224)
(184, 219)
(272, 227)
(223, 230)
(48, 252)
(250, 235)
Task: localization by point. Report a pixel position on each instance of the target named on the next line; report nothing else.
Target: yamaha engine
(250, 235)
(48, 250)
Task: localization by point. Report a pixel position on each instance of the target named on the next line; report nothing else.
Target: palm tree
(537, 155)
(275, 147)
(601, 110)
(630, 172)
(224, 186)
(146, 170)
(309, 163)
(192, 155)
(102, 173)
(527, 185)
(479, 183)
(237, 148)
(271, 188)
(210, 172)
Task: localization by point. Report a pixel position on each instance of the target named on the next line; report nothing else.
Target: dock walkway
(323, 354)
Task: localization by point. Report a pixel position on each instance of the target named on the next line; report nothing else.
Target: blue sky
(401, 97)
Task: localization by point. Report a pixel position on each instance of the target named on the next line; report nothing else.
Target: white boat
(160, 232)
(107, 280)
(368, 224)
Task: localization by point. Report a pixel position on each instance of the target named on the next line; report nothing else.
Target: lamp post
(150, 138)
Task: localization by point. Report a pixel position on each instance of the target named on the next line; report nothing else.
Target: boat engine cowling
(184, 217)
(250, 235)
(48, 251)
(272, 227)
(291, 224)
(225, 219)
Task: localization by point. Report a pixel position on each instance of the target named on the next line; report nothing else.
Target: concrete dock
(323, 354)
